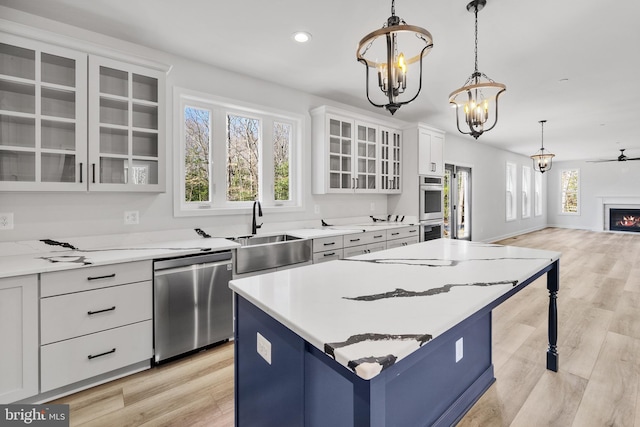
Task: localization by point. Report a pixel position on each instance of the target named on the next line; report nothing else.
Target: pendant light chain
(542, 132)
(476, 46)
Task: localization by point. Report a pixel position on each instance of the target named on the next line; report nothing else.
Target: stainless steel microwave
(431, 198)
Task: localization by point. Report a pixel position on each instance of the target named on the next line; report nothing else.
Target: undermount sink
(265, 252)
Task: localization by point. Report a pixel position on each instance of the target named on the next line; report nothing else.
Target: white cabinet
(328, 249)
(126, 127)
(390, 160)
(364, 243)
(43, 104)
(93, 321)
(402, 236)
(19, 338)
(430, 154)
(354, 153)
(66, 127)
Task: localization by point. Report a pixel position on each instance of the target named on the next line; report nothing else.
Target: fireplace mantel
(606, 203)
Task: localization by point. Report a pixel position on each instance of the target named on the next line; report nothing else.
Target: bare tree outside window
(197, 148)
(243, 141)
(570, 188)
(281, 152)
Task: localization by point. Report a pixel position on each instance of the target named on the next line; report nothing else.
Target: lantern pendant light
(399, 46)
(542, 160)
(478, 98)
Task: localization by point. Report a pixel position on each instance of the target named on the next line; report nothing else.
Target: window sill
(245, 210)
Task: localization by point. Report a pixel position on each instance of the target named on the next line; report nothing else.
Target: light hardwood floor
(598, 383)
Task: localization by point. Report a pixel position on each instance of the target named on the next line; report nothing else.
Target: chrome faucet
(254, 225)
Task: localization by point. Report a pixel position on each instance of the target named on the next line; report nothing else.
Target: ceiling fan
(621, 158)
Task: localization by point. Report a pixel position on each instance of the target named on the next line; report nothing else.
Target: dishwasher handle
(190, 267)
(164, 264)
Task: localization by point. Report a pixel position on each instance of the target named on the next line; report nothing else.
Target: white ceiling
(528, 45)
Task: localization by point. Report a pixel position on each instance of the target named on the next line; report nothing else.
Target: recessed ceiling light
(301, 36)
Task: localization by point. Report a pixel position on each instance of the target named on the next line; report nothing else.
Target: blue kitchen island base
(302, 386)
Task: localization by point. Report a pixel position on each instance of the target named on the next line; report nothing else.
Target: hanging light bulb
(542, 160)
(393, 73)
(481, 91)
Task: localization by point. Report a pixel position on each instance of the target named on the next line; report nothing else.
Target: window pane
(569, 184)
(538, 194)
(243, 139)
(197, 151)
(281, 153)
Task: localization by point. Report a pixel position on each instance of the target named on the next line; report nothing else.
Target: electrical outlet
(264, 348)
(131, 217)
(6, 221)
(316, 209)
(373, 207)
(459, 350)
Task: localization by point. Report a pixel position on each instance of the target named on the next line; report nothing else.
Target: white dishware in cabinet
(19, 338)
(126, 126)
(43, 124)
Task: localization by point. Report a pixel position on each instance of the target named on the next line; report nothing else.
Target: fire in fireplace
(624, 220)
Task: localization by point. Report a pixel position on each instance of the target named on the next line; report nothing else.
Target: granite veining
(371, 311)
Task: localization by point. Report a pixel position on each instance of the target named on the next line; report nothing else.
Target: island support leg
(553, 285)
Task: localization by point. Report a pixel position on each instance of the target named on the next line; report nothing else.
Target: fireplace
(624, 220)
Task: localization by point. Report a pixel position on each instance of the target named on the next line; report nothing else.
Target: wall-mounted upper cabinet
(43, 105)
(353, 154)
(51, 139)
(430, 154)
(126, 131)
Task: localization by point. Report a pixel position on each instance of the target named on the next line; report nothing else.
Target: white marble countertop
(373, 310)
(46, 258)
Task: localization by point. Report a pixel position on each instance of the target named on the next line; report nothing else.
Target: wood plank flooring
(598, 383)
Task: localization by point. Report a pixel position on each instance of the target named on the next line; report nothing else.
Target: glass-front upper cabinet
(126, 127)
(43, 104)
(390, 160)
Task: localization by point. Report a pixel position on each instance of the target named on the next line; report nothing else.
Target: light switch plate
(6, 221)
(459, 350)
(131, 217)
(264, 348)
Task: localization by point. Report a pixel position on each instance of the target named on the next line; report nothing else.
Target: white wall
(609, 179)
(488, 204)
(48, 215)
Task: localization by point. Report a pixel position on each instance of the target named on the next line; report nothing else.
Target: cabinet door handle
(394, 234)
(330, 254)
(93, 173)
(354, 240)
(108, 276)
(80, 172)
(433, 167)
(93, 356)
(101, 311)
(329, 244)
(356, 182)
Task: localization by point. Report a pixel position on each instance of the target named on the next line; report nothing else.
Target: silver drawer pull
(377, 237)
(108, 276)
(329, 244)
(354, 240)
(101, 311)
(92, 356)
(330, 254)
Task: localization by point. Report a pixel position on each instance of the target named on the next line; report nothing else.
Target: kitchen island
(400, 337)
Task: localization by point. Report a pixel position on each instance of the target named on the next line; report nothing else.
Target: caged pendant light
(478, 98)
(542, 160)
(384, 50)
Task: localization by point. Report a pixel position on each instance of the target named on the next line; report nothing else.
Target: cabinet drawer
(402, 242)
(84, 279)
(327, 256)
(81, 313)
(401, 233)
(327, 243)
(365, 238)
(70, 361)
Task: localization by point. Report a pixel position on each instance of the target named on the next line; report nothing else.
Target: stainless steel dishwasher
(192, 303)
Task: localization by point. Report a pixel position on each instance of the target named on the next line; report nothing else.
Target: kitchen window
(510, 202)
(537, 193)
(230, 154)
(526, 192)
(570, 191)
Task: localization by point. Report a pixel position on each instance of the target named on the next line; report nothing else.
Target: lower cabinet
(18, 338)
(328, 249)
(364, 249)
(93, 321)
